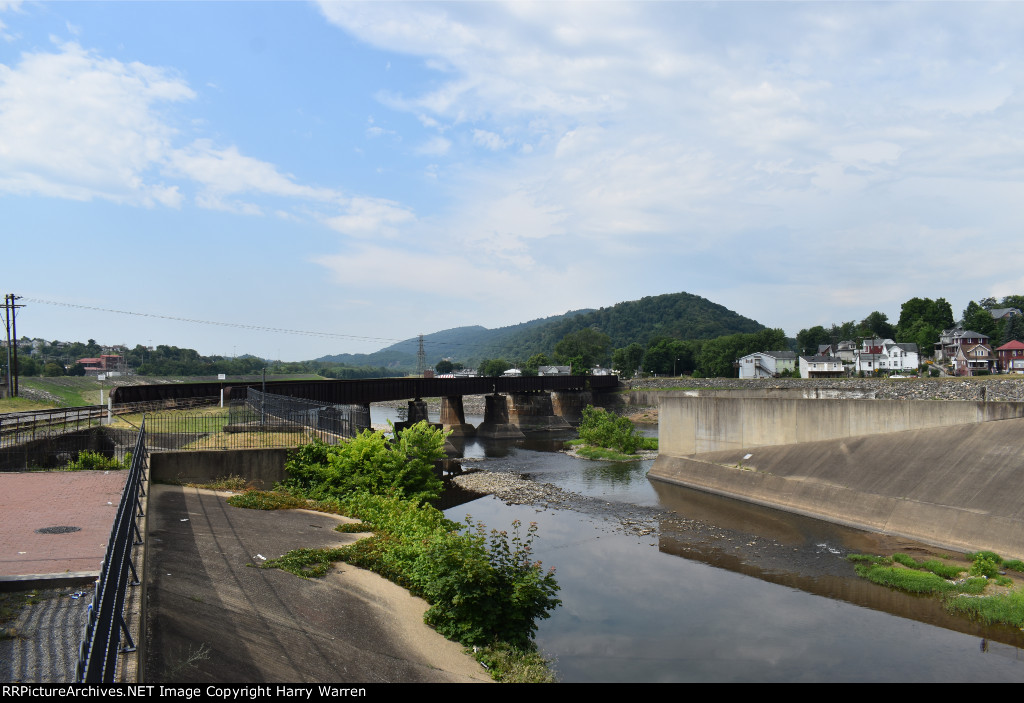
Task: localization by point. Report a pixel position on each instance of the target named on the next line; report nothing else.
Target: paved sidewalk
(35, 500)
(46, 634)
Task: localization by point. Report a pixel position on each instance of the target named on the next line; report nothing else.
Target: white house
(885, 355)
(821, 366)
(768, 364)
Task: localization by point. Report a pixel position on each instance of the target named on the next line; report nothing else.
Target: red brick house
(1011, 357)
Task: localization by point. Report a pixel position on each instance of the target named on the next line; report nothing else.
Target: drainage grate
(57, 530)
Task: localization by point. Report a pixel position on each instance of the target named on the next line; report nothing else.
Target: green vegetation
(94, 461)
(369, 462)
(600, 428)
(961, 595)
(484, 587)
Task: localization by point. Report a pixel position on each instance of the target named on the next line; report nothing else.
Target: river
(662, 584)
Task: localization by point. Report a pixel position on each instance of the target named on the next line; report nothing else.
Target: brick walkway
(30, 501)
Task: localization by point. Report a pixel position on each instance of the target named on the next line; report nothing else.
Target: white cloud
(436, 146)
(489, 140)
(370, 217)
(76, 125)
(226, 172)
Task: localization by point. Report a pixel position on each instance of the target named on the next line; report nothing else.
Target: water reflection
(755, 595)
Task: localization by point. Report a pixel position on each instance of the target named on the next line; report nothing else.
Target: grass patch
(1002, 609)
(1014, 565)
(267, 500)
(20, 405)
(935, 577)
(510, 665)
(602, 454)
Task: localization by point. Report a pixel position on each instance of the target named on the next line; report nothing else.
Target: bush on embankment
(484, 587)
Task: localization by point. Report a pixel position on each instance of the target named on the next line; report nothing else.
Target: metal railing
(328, 422)
(106, 628)
(260, 420)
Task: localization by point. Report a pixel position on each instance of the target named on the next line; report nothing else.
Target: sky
(323, 178)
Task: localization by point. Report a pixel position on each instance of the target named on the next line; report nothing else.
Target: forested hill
(676, 315)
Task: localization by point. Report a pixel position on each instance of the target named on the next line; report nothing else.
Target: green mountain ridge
(676, 315)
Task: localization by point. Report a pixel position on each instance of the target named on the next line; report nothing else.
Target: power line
(238, 325)
(258, 328)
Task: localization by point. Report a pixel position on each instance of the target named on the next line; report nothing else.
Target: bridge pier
(569, 404)
(417, 412)
(533, 412)
(453, 417)
(496, 419)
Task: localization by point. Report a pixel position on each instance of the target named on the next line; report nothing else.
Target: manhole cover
(57, 530)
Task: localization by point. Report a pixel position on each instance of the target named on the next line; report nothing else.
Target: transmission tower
(421, 360)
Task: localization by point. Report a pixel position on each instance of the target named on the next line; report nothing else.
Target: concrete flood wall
(946, 473)
(695, 425)
(260, 467)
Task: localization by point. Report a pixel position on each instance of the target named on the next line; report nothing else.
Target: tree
(1013, 301)
(444, 366)
(810, 339)
(534, 363)
(717, 355)
(588, 344)
(1014, 329)
(665, 355)
(978, 319)
(52, 368)
(877, 324)
(628, 359)
(493, 367)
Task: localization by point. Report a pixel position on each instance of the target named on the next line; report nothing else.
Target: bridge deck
(369, 390)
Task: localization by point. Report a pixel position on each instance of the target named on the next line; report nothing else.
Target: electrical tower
(421, 360)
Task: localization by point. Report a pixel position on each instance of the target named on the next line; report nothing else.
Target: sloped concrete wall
(951, 475)
(695, 425)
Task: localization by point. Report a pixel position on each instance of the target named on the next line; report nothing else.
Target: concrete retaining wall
(694, 425)
(950, 474)
(260, 467)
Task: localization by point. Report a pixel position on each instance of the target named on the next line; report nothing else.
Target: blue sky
(369, 171)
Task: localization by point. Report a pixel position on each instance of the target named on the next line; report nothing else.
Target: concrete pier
(533, 412)
(453, 417)
(496, 419)
(569, 404)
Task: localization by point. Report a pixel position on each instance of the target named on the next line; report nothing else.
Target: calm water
(662, 608)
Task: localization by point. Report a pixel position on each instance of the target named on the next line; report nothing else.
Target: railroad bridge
(513, 405)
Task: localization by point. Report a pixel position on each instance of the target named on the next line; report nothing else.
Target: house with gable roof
(768, 364)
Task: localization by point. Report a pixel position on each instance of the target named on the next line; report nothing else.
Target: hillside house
(821, 366)
(768, 364)
(1011, 357)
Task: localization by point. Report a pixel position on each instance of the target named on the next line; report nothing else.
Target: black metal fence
(47, 439)
(106, 633)
(328, 422)
(259, 420)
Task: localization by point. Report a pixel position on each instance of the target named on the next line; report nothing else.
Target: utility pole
(10, 323)
(421, 360)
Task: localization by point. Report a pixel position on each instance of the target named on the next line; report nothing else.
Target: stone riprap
(977, 388)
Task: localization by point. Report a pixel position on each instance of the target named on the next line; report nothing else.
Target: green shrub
(483, 587)
(94, 461)
(603, 429)
(369, 462)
